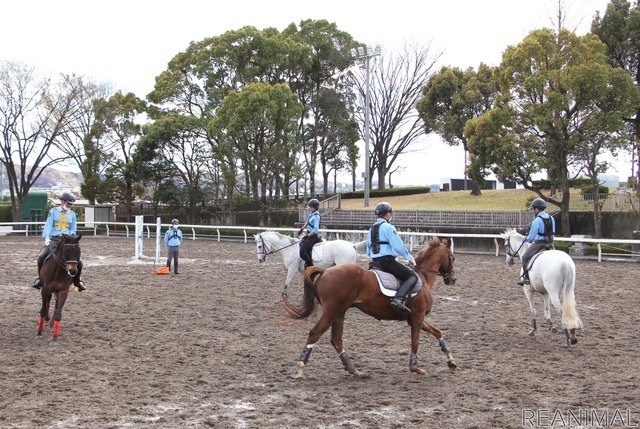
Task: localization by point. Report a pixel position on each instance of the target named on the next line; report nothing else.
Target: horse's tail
(570, 316)
(309, 296)
(360, 246)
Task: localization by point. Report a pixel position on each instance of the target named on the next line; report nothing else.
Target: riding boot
(77, 281)
(524, 279)
(37, 283)
(397, 303)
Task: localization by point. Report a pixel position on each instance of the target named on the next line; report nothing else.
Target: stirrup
(524, 281)
(37, 284)
(398, 305)
(80, 286)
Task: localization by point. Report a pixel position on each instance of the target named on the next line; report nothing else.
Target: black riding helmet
(314, 203)
(68, 197)
(382, 209)
(539, 204)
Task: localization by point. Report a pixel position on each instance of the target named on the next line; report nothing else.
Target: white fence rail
(413, 240)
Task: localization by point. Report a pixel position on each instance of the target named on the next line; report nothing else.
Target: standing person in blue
(383, 246)
(61, 220)
(310, 230)
(540, 235)
(172, 241)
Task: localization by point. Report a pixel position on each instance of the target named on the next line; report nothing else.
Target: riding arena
(214, 347)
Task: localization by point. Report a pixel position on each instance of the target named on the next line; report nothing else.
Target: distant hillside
(51, 178)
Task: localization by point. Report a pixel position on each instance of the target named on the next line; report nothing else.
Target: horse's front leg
(290, 274)
(57, 316)
(44, 311)
(528, 292)
(433, 330)
(336, 341)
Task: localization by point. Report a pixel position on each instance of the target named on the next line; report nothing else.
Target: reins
(271, 252)
(61, 261)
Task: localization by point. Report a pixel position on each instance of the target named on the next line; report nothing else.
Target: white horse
(325, 254)
(551, 272)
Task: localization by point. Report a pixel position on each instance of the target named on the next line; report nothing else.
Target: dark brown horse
(57, 275)
(347, 285)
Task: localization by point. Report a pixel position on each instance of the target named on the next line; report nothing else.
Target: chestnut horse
(57, 275)
(344, 286)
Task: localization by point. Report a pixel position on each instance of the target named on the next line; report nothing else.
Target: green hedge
(5, 213)
(393, 192)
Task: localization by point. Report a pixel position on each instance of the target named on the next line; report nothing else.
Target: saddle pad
(389, 284)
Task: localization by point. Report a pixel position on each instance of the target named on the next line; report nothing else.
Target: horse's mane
(431, 246)
(508, 232)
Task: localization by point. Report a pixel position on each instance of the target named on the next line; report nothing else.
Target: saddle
(535, 256)
(389, 283)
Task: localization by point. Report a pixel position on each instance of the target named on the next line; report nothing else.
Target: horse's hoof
(39, 335)
(553, 330)
(360, 374)
(452, 364)
(532, 333)
(53, 343)
(574, 341)
(417, 370)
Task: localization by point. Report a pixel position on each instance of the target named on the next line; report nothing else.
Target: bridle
(267, 252)
(63, 261)
(446, 273)
(510, 251)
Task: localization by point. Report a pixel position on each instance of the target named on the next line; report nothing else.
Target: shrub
(393, 192)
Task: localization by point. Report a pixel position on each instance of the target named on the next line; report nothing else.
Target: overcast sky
(128, 43)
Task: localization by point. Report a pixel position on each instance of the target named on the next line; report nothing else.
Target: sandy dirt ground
(210, 348)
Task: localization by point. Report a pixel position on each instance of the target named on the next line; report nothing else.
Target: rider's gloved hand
(47, 241)
(412, 262)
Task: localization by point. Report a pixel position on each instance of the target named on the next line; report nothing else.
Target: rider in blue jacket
(540, 235)
(172, 241)
(311, 231)
(383, 246)
(61, 220)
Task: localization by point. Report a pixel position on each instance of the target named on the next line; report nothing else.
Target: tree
(34, 114)
(115, 135)
(327, 58)
(450, 98)
(258, 123)
(550, 86)
(619, 30)
(396, 84)
(173, 142)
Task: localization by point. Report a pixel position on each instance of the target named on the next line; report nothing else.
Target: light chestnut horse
(341, 287)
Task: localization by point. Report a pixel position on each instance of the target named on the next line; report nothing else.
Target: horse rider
(540, 235)
(61, 221)
(383, 246)
(310, 230)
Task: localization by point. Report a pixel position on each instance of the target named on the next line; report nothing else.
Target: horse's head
(438, 258)
(70, 253)
(261, 247)
(512, 245)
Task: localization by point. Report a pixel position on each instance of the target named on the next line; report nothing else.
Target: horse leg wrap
(413, 360)
(41, 325)
(346, 361)
(56, 329)
(306, 352)
(443, 346)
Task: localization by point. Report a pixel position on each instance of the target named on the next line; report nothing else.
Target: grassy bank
(508, 199)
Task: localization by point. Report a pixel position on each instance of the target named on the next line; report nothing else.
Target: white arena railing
(412, 239)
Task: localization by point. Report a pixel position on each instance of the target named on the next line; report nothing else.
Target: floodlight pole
(366, 54)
